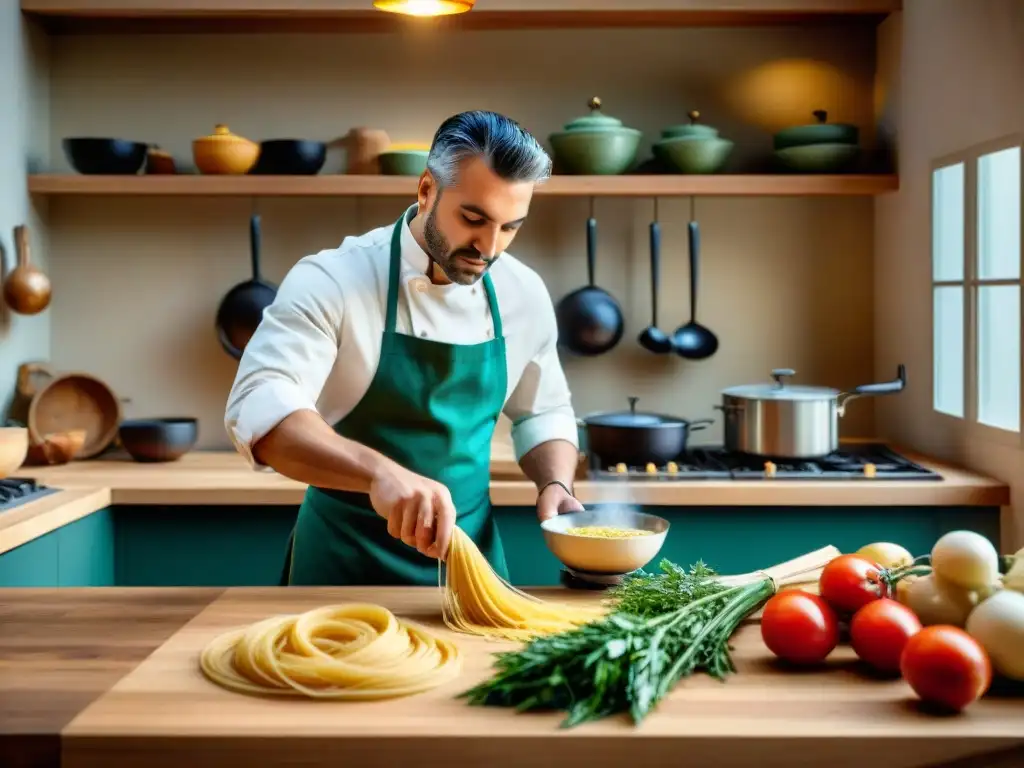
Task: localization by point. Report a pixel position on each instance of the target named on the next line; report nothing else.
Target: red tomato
(849, 582)
(880, 630)
(799, 627)
(946, 666)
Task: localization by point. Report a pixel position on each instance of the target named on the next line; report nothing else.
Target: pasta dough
(609, 532)
(477, 601)
(349, 651)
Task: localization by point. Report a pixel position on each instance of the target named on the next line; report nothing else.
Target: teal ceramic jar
(595, 144)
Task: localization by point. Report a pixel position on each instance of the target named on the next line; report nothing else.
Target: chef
(381, 368)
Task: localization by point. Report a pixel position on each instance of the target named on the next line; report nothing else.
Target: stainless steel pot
(796, 422)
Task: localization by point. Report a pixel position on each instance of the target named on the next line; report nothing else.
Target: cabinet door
(86, 551)
(31, 565)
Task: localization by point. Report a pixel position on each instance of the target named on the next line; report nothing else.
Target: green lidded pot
(595, 144)
(399, 160)
(692, 148)
(821, 132)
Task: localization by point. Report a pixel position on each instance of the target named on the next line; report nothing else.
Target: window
(976, 287)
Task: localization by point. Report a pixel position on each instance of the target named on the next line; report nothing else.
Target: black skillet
(241, 310)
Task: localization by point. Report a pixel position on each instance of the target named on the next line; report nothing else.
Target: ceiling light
(424, 7)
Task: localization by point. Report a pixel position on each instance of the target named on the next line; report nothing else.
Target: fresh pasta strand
(353, 651)
(477, 601)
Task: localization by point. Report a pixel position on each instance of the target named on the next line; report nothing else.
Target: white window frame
(969, 424)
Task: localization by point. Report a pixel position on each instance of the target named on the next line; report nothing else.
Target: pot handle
(699, 424)
(728, 408)
(25, 373)
(886, 387)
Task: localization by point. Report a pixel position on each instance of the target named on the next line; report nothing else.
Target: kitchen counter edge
(221, 478)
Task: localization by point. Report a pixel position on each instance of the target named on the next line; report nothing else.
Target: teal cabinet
(81, 554)
(742, 539)
(225, 546)
(245, 546)
(85, 551)
(31, 565)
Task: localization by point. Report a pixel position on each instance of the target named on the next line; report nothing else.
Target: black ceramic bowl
(105, 156)
(158, 439)
(290, 157)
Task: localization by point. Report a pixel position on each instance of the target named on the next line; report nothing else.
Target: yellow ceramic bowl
(223, 152)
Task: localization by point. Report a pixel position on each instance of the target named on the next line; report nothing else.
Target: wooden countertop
(108, 677)
(224, 478)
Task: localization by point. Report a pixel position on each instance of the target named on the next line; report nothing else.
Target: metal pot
(635, 438)
(797, 422)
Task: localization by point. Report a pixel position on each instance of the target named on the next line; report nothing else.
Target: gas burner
(15, 491)
(584, 580)
(865, 461)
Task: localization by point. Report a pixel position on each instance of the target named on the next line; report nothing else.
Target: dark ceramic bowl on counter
(96, 156)
(158, 439)
(290, 157)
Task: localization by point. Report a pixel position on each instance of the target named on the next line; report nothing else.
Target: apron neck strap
(395, 271)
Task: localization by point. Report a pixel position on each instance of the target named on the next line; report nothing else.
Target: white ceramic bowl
(592, 554)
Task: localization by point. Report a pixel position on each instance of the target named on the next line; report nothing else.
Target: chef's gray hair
(508, 148)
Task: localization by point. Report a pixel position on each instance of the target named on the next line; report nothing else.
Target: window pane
(948, 346)
(999, 356)
(999, 215)
(948, 223)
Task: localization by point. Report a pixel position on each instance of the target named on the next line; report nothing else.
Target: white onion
(937, 601)
(886, 554)
(966, 559)
(998, 624)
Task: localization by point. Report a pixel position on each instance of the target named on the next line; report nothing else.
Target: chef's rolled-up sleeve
(288, 359)
(540, 406)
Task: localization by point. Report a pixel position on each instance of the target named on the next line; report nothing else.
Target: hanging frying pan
(241, 310)
(589, 319)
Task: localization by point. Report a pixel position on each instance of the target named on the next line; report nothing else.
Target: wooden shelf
(226, 16)
(383, 186)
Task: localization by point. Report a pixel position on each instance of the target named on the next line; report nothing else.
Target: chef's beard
(441, 253)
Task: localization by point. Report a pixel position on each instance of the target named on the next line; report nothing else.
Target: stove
(15, 491)
(593, 581)
(855, 462)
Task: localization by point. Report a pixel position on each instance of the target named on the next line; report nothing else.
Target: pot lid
(694, 130)
(632, 418)
(221, 133)
(819, 132)
(779, 390)
(595, 121)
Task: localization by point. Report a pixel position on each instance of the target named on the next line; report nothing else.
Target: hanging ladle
(653, 339)
(693, 341)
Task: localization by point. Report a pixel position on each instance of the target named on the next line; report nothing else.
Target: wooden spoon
(26, 290)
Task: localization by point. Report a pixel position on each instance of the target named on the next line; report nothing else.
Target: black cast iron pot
(635, 438)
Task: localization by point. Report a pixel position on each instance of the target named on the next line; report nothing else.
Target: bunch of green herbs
(663, 627)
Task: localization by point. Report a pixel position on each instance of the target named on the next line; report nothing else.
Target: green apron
(432, 408)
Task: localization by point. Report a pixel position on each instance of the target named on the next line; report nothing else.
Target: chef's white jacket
(318, 345)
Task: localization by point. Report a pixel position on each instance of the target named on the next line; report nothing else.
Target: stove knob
(672, 468)
(869, 470)
(651, 469)
(769, 469)
(620, 468)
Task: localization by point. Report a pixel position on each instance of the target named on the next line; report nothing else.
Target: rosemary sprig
(665, 627)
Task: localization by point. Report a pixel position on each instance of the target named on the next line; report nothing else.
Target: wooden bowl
(57, 447)
(76, 401)
(13, 449)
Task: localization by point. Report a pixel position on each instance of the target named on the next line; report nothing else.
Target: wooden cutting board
(165, 713)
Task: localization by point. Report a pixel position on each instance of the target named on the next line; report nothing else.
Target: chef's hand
(419, 510)
(554, 500)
